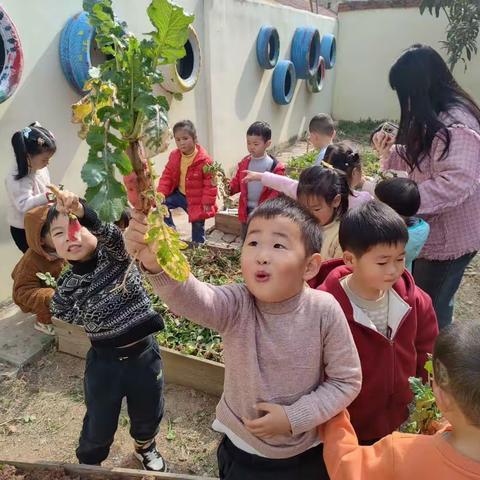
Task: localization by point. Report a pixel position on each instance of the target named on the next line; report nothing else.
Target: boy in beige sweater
(290, 360)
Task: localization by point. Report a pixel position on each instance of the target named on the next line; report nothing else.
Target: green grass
(358, 132)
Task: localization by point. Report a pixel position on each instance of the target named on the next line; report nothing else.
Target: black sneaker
(151, 459)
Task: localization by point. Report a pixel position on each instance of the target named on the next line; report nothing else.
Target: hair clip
(40, 141)
(327, 165)
(26, 132)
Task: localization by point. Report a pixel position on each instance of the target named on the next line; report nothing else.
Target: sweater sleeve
(234, 186)
(346, 460)
(455, 177)
(343, 375)
(22, 196)
(207, 305)
(280, 183)
(109, 235)
(394, 161)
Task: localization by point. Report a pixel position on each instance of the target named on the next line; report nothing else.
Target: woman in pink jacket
(438, 144)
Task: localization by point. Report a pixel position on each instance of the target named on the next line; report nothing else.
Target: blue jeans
(178, 200)
(441, 279)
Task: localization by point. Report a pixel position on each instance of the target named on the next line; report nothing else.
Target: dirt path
(41, 415)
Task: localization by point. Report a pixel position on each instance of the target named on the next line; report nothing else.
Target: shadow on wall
(44, 96)
(250, 76)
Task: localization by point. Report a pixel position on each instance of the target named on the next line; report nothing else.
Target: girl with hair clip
(27, 184)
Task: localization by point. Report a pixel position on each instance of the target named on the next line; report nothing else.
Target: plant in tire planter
(119, 107)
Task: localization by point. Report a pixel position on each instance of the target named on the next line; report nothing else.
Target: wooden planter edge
(91, 471)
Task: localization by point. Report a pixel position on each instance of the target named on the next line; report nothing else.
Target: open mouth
(73, 248)
(262, 277)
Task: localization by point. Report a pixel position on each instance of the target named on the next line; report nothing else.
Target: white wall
(233, 91)
(368, 44)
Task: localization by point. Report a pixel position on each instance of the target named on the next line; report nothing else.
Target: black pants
(235, 464)
(19, 237)
(137, 375)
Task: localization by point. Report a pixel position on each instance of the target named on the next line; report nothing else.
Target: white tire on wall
(183, 75)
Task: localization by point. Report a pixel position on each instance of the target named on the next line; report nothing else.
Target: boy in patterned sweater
(124, 360)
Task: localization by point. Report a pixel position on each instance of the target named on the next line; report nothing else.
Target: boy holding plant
(290, 361)
(102, 292)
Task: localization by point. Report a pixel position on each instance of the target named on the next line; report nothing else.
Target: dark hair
(283, 206)
(425, 88)
(322, 123)
(342, 157)
(371, 224)
(317, 181)
(29, 141)
(188, 126)
(52, 215)
(260, 129)
(401, 194)
(456, 366)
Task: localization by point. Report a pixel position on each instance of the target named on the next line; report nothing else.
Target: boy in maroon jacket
(252, 194)
(392, 321)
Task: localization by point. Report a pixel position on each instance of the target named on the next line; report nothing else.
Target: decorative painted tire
(78, 51)
(315, 83)
(284, 80)
(305, 51)
(268, 47)
(328, 50)
(183, 76)
(11, 57)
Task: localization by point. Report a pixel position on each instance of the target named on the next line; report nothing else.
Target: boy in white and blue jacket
(403, 196)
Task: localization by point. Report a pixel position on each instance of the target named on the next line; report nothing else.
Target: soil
(41, 414)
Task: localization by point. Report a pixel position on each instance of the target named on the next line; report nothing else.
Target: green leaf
(108, 199)
(94, 171)
(96, 137)
(122, 162)
(171, 23)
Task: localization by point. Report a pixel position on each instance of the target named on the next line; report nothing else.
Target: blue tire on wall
(328, 50)
(315, 83)
(305, 51)
(284, 80)
(268, 47)
(75, 46)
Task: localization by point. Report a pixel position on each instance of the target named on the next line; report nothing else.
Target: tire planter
(305, 51)
(11, 57)
(328, 50)
(284, 80)
(315, 83)
(78, 51)
(183, 76)
(268, 47)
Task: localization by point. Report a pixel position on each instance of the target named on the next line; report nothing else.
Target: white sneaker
(45, 328)
(151, 459)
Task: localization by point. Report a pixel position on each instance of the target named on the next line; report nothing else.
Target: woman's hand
(135, 244)
(252, 176)
(382, 142)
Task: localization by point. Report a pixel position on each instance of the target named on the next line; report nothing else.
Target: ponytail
(342, 157)
(29, 141)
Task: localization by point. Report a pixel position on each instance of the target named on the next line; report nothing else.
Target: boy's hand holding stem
(67, 202)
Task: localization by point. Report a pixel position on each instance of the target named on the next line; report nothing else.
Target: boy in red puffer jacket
(252, 194)
(184, 183)
(392, 320)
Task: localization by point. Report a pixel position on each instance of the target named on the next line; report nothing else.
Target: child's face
(318, 206)
(320, 140)
(76, 251)
(274, 262)
(257, 146)
(380, 267)
(184, 140)
(39, 161)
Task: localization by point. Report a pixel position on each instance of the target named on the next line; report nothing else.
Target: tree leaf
(108, 199)
(94, 172)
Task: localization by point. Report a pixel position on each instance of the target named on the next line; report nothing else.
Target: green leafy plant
(48, 279)
(463, 27)
(425, 417)
(220, 180)
(123, 113)
(297, 164)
